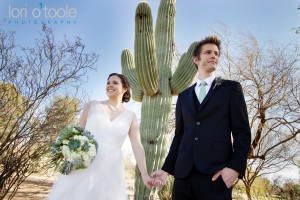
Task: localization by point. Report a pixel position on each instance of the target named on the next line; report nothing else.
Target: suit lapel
(192, 99)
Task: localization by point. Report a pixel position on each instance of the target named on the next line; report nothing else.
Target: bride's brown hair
(125, 84)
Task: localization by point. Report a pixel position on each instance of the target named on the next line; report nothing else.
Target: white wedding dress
(104, 178)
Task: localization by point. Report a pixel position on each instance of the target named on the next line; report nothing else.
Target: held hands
(148, 181)
(160, 178)
(229, 176)
(153, 181)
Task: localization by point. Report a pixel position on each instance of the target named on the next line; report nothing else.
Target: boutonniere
(218, 81)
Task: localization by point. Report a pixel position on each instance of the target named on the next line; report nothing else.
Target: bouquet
(74, 148)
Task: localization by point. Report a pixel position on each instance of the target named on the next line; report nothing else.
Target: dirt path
(37, 187)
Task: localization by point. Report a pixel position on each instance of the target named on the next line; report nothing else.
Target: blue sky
(107, 26)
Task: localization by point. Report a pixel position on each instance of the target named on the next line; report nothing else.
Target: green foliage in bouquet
(74, 148)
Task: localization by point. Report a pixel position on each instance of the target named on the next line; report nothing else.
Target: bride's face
(114, 87)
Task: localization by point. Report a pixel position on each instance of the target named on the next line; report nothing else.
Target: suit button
(196, 139)
(198, 123)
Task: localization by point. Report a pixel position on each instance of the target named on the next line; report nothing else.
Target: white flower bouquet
(74, 148)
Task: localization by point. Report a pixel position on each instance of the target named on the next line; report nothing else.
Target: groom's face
(208, 59)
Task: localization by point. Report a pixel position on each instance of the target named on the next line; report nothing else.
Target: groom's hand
(229, 176)
(161, 177)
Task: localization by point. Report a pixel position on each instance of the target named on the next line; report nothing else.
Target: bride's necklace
(115, 110)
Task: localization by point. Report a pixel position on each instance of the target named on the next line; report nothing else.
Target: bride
(110, 123)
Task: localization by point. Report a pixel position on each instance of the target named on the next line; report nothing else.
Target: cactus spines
(145, 55)
(152, 81)
(128, 68)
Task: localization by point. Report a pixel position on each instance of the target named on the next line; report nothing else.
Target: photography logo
(41, 14)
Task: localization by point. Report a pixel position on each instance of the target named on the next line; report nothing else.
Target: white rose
(74, 130)
(65, 141)
(74, 156)
(65, 151)
(92, 150)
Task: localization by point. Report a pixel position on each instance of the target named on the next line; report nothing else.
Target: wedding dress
(104, 178)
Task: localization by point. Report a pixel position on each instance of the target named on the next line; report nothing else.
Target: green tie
(202, 92)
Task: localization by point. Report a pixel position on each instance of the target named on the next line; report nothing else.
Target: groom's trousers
(198, 186)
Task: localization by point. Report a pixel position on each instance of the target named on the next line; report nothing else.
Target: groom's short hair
(208, 40)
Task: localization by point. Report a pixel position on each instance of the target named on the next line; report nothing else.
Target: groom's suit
(211, 135)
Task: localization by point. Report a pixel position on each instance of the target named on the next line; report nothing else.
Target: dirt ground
(37, 187)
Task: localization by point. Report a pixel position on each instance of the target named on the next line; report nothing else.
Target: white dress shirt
(208, 81)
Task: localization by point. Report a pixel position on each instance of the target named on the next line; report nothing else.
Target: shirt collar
(208, 80)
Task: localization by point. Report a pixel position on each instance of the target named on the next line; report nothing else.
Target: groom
(212, 137)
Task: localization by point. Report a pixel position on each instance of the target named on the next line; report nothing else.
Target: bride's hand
(148, 181)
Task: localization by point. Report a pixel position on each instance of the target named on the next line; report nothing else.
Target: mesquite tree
(152, 81)
(269, 74)
(30, 78)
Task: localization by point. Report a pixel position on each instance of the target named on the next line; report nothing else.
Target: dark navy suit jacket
(211, 135)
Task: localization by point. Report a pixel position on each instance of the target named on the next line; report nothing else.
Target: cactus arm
(164, 38)
(144, 50)
(184, 73)
(128, 69)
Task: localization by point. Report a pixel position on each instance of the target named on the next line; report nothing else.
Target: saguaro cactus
(152, 80)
